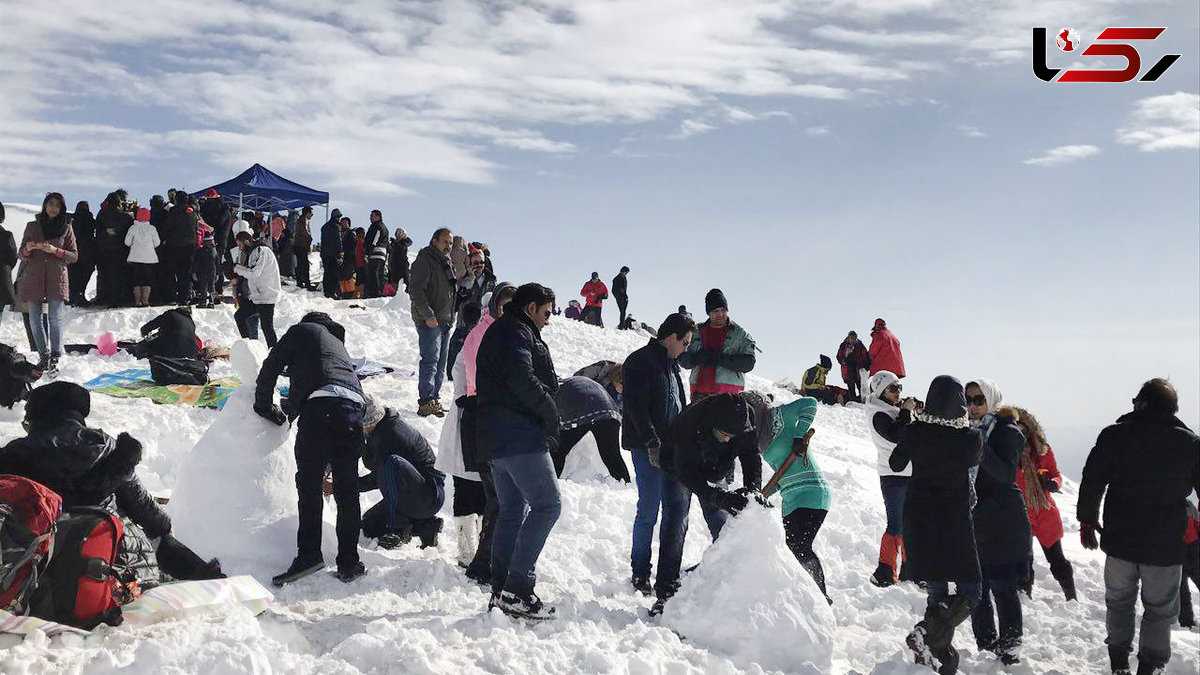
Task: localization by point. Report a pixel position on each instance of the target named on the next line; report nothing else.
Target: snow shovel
(799, 447)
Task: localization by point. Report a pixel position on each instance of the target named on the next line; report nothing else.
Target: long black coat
(8, 260)
(515, 385)
(111, 227)
(1149, 462)
(87, 467)
(84, 225)
(939, 538)
(1001, 520)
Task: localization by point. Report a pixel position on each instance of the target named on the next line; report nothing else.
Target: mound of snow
(236, 495)
(751, 601)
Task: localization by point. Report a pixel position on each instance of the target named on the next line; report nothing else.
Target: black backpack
(167, 370)
(16, 376)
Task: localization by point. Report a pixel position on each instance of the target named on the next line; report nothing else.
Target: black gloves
(1049, 484)
(1087, 535)
(755, 495)
(273, 414)
(732, 502)
(708, 357)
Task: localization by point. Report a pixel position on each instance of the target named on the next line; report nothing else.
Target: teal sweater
(803, 486)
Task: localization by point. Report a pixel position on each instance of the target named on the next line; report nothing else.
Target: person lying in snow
(401, 465)
(87, 467)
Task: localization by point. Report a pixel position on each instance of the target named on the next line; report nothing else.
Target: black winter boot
(884, 575)
(1118, 660)
(1067, 582)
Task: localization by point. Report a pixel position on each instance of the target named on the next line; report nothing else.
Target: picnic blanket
(137, 383)
(159, 603)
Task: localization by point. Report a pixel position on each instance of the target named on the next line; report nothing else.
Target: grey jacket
(431, 287)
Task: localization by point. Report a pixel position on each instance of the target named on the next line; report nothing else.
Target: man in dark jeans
(518, 427)
(652, 395)
(329, 401)
(1149, 464)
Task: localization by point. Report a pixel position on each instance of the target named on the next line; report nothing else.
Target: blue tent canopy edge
(261, 189)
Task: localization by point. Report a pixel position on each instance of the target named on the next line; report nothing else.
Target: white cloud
(883, 39)
(970, 131)
(1167, 122)
(1063, 154)
(689, 128)
(817, 132)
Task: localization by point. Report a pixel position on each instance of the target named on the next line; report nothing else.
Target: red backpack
(29, 512)
(81, 586)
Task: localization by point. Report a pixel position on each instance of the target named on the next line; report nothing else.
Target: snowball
(751, 601)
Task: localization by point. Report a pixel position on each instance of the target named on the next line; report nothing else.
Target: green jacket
(737, 359)
(803, 486)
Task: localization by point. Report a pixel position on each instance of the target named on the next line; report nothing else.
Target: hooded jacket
(261, 272)
(1144, 467)
(885, 422)
(699, 460)
(86, 467)
(176, 336)
(1001, 521)
(939, 535)
(582, 402)
(142, 240)
(314, 356)
(885, 350)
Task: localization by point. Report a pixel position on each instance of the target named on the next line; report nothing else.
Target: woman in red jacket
(1038, 477)
(885, 350)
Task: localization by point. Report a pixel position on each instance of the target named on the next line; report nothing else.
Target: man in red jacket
(885, 350)
(595, 292)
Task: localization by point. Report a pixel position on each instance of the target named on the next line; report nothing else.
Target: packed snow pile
(751, 601)
(230, 476)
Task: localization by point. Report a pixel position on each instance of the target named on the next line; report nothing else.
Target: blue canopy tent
(260, 189)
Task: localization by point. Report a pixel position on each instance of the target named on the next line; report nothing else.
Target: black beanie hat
(826, 362)
(47, 402)
(714, 300)
(729, 413)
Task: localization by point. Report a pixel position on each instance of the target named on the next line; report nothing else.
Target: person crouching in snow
(1001, 523)
(327, 397)
(939, 537)
(584, 406)
(805, 492)
(1037, 479)
(887, 419)
(401, 465)
(574, 311)
(87, 467)
(705, 439)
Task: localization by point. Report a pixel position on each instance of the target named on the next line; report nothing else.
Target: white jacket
(142, 239)
(449, 453)
(877, 406)
(261, 273)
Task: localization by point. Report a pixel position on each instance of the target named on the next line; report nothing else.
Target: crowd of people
(967, 481)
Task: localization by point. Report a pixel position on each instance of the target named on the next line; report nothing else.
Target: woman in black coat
(1001, 523)
(111, 252)
(8, 260)
(939, 537)
(80, 271)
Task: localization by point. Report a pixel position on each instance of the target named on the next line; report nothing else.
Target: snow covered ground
(416, 613)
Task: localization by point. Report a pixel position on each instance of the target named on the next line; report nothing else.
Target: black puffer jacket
(393, 436)
(1001, 520)
(176, 335)
(697, 458)
(647, 375)
(1149, 463)
(515, 385)
(87, 467)
(314, 357)
(181, 227)
(219, 218)
(111, 227)
(582, 402)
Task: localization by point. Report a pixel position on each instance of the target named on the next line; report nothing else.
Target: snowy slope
(416, 613)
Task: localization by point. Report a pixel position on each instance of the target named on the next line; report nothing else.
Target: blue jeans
(435, 345)
(408, 495)
(525, 480)
(676, 504)
(649, 487)
(1007, 611)
(894, 489)
(39, 331)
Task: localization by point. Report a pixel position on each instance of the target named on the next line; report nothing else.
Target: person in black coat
(87, 467)
(8, 260)
(176, 336)
(517, 431)
(1148, 463)
(939, 537)
(1001, 523)
(180, 247)
(328, 399)
(585, 407)
(111, 252)
(331, 255)
(652, 396)
(398, 259)
(400, 462)
(219, 217)
(620, 293)
(705, 440)
(80, 271)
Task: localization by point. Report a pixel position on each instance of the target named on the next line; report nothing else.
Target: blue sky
(823, 162)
